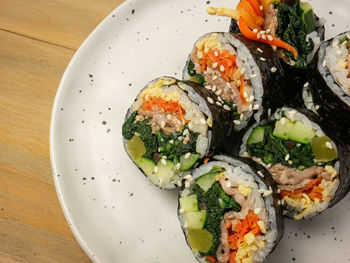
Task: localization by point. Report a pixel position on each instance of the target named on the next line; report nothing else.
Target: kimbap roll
(290, 27)
(228, 211)
(170, 127)
(330, 86)
(301, 158)
(243, 76)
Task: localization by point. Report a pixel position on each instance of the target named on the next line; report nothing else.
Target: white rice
(240, 173)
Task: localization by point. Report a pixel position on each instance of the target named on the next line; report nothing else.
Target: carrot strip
(312, 184)
(244, 4)
(229, 225)
(241, 91)
(211, 259)
(205, 161)
(256, 7)
(248, 33)
(232, 257)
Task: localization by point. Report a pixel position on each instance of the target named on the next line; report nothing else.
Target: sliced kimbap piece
(244, 77)
(290, 27)
(170, 127)
(301, 158)
(330, 86)
(229, 212)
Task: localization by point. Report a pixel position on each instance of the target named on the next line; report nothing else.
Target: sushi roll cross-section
(301, 158)
(165, 132)
(228, 212)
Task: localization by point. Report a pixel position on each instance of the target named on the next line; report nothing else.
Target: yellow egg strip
(156, 91)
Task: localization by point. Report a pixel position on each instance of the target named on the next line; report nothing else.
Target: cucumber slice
(308, 17)
(136, 148)
(200, 239)
(283, 130)
(323, 149)
(189, 203)
(188, 163)
(146, 165)
(301, 133)
(257, 135)
(196, 220)
(207, 180)
(165, 171)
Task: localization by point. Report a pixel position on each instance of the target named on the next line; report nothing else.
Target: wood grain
(63, 22)
(38, 39)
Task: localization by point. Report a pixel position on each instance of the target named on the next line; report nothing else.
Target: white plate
(114, 213)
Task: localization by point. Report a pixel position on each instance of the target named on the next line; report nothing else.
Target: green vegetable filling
(159, 142)
(217, 203)
(273, 150)
(293, 30)
(195, 77)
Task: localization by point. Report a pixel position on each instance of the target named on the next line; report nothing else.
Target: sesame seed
(245, 94)
(218, 103)
(250, 107)
(215, 65)
(290, 162)
(260, 50)
(168, 116)
(263, 59)
(258, 36)
(186, 132)
(181, 210)
(251, 98)
(241, 117)
(164, 157)
(171, 141)
(262, 32)
(187, 184)
(215, 77)
(216, 53)
(306, 85)
(257, 210)
(178, 166)
(283, 121)
(222, 68)
(324, 63)
(267, 193)
(243, 71)
(335, 43)
(269, 37)
(180, 138)
(261, 191)
(329, 145)
(263, 37)
(190, 125)
(317, 107)
(287, 157)
(268, 166)
(284, 212)
(159, 149)
(218, 92)
(208, 87)
(213, 89)
(261, 174)
(220, 99)
(255, 30)
(228, 184)
(210, 100)
(226, 107)
(278, 191)
(269, 112)
(187, 155)
(273, 69)
(253, 76)
(279, 202)
(268, 31)
(203, 121)
(256, 107)
(188, 177)
(179, 183)
(237, 122)
(163, 161)
(155, 169)
(261, 7)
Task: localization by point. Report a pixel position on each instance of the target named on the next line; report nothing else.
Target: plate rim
(72, 225)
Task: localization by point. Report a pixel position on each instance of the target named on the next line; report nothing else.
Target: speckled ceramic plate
(115, 214)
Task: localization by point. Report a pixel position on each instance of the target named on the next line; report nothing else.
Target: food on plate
(244, 76)
(301, 158)
(171, 126)
(229, 212)
(290, 27)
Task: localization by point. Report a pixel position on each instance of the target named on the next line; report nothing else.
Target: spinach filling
(215, 211)
(159, 142)
(292, 30)
(198, 78)
(273, 150)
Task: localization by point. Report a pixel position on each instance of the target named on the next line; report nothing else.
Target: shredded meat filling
(291, 178)
(165, 121)
(271, 22)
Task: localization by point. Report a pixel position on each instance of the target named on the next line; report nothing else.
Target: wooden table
(37, 40)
